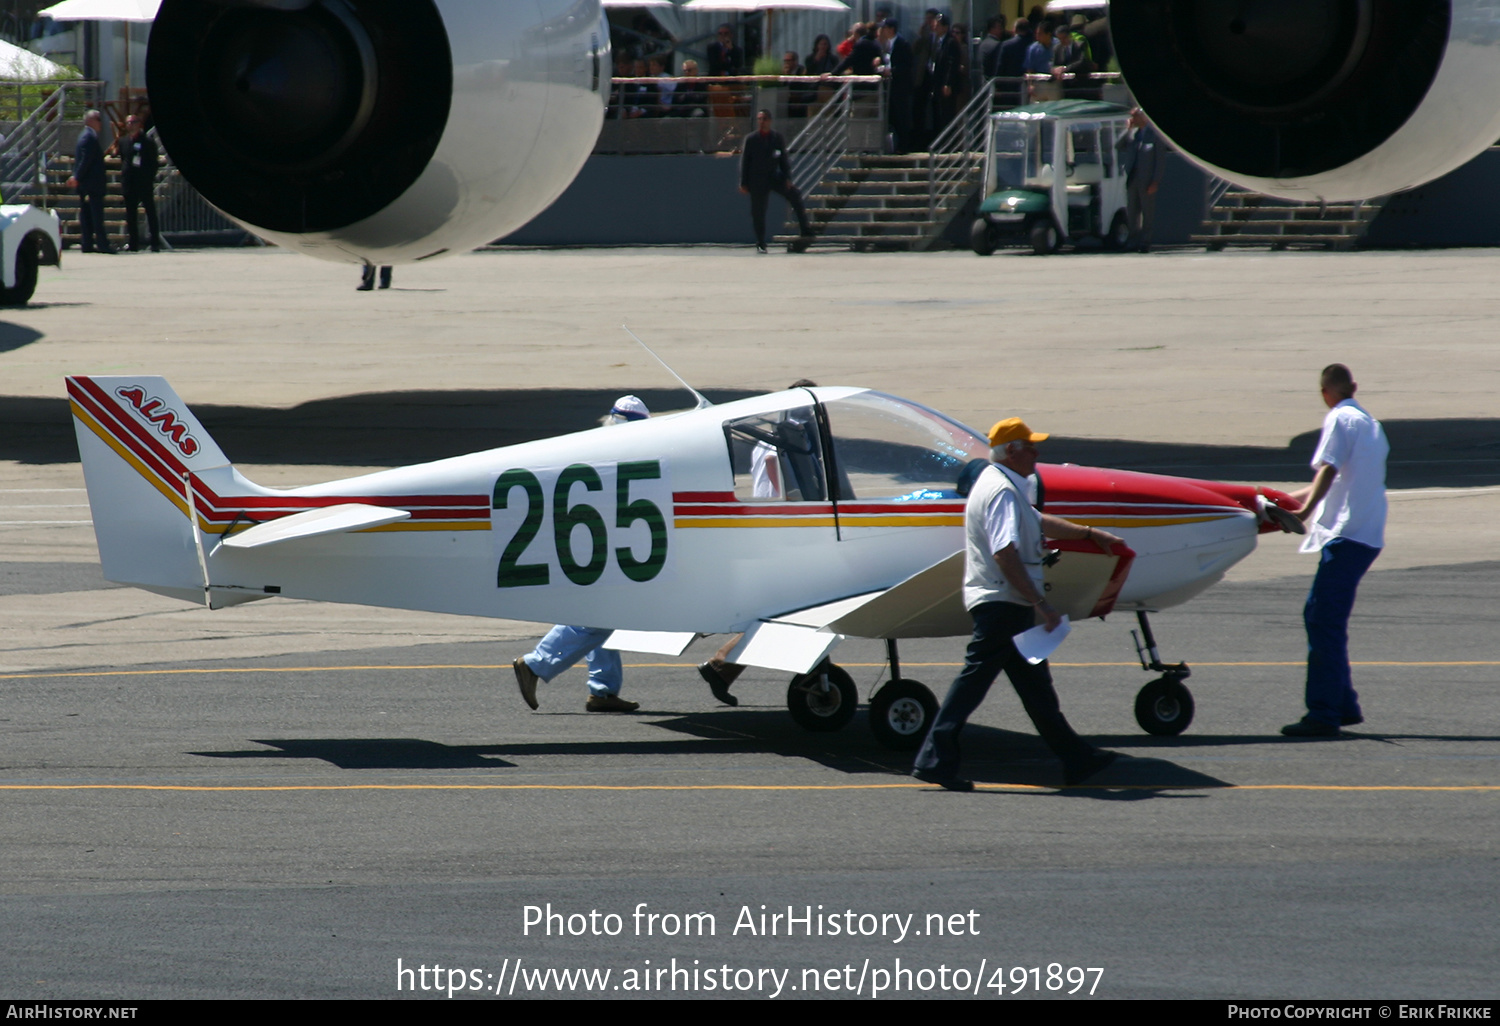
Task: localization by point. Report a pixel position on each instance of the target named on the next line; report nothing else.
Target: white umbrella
(105, 10)
(18, 65)
(102, 10)
(635, 3)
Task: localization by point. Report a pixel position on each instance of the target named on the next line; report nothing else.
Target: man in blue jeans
(564, 645)
(1344, 509)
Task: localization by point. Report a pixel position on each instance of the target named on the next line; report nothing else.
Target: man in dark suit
(1143, 158)
(88, 179)
(900, 65)
(947, 79)
(724, 58)
(1011, 62)
(138, 181)
(989, 47)
(764, 169)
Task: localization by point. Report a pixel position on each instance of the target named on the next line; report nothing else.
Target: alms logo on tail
(154, 411)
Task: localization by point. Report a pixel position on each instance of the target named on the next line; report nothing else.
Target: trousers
(134, 200)
(990, 651)
(563, 646)
(1331, 697)
(760, 196)
(91, 223)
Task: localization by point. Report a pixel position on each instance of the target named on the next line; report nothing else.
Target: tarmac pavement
(284, 798)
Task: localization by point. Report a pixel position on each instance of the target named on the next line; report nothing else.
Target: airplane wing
(1082, 583)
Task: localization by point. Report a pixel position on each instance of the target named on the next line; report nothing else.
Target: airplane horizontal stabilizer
(668, 643)
(349, 516)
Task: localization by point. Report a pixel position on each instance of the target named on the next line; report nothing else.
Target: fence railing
(713, 115)
(822, 141)
(23, 166)
(20, 100)
(182, 210)
(952, 155)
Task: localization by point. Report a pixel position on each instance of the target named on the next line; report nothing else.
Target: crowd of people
(931, 70)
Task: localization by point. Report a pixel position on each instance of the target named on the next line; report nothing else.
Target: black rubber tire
(981, 239)
(26, 263)
(1119, 234)
(901, 713)
(1164, 707)
(818, 710)
(1044, 238)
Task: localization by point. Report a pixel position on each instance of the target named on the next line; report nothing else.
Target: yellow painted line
(903, 786)
(634, 666)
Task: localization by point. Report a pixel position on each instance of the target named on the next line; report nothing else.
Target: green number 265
(565, 518)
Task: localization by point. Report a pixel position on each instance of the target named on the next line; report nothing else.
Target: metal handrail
(23, 166)
(950, 158)
(822, 142)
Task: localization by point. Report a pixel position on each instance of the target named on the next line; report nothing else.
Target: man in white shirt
(1004, 593)
(1344, 509)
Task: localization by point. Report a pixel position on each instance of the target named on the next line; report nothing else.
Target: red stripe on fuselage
(216, 508)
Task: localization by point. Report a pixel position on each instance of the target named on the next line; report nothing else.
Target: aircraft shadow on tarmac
(397, 428)
(993, 756)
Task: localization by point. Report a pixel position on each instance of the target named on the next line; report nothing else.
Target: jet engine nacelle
(1316, 99)
(379, 131)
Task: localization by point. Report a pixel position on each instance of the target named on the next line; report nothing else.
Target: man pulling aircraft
(1005, 594)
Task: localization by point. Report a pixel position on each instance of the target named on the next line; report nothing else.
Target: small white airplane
(799, 518)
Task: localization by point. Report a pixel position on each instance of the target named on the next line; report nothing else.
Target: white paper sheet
(1039, 643)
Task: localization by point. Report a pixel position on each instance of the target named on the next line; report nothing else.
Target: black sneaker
(717, 684)
(610, 703)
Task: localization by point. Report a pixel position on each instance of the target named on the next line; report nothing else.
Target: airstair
(1239, 217)
(877, 201)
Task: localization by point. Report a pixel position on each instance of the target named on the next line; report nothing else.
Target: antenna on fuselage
(703, 402)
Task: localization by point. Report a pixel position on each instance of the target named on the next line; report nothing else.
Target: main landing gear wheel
(1164, 707)
(824, 700)
(901, 713)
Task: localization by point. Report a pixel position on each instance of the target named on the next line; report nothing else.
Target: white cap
(630, 408)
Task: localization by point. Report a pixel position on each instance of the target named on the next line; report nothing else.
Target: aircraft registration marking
(634, 491)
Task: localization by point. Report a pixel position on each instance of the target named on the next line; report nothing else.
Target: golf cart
(1052, 176)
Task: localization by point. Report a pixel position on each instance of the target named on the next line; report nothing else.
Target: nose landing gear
(1163, 707)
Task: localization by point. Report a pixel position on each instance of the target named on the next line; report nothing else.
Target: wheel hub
(906, 716)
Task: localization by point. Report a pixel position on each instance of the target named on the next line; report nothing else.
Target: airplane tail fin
(143, 453)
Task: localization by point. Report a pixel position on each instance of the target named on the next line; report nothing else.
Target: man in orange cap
(1003, 592)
